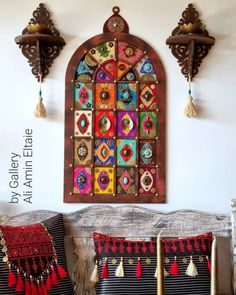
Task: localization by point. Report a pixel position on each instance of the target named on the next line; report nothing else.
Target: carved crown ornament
(190, 43)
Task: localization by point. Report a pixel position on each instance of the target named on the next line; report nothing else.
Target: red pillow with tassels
(32, 259)
(130, 267)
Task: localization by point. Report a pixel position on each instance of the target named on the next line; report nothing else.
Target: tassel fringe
(166, 274)
(94, 276)
(11, 278)
(40, 110)
(19, 283)
(139, 269)
(54, 277)
(120, 269)
(174, 269)
(27, 287)
(61, 272)
(208, 264)
(105, 272)
(49, 282)
(190, 110)
(191, 269)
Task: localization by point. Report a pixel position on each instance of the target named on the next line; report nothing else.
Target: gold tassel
(160, 267)
(120, 269)
(214, 286)
(191, 269)
(190, 110)
(40, 111)
(94, 276)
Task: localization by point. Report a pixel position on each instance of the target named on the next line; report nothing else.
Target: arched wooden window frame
(69, 195)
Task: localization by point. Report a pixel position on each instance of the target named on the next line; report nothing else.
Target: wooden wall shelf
(190, 42)
(40, 42)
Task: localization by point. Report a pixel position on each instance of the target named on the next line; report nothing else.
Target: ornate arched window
(115, 120)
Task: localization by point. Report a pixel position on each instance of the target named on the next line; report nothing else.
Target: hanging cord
(40, 111)
(190, 110)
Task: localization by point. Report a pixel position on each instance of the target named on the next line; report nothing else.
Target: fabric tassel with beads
(165, 273)
(190, 110)
(11, 278)
(105, 271)
(54, 278)
(94, 275)
(33, 287)
(61, 272)
(19, 283)
(174, 269)
(191, 269)
(40, 110)
(208, 264)
(27, 287)
(49, 282)
(139, 269)
(43, 287)
(120, 269)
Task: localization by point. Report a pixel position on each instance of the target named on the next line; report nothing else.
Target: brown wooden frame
(71, 197)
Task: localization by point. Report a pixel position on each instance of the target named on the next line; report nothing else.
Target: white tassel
(156, 272)
(94, 276)
(166, 274)
(120, 269)
(191, 269)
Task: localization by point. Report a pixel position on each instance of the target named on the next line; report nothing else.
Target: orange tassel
(11, 278)
(174, 269)
(139, 269)
(54, 278)
(61, 272)
(105, 272)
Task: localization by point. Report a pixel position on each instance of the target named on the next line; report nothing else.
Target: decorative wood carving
(190, 42)
(132, 222)
(40, 42)
(115, 90)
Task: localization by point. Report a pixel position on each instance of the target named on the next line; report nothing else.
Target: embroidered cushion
(129, 267)
(33, 260)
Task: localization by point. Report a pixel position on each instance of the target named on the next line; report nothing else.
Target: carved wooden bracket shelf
(40, 42)
(190, 42)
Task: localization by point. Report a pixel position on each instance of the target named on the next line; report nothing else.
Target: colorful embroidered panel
(115, 121)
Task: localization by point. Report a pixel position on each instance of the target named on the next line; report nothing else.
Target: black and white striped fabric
(108, 249)
(55, 228)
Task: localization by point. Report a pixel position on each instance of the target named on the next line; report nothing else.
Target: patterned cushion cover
(139, 265)
(33, 260)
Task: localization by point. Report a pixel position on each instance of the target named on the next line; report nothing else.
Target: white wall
(201, 161)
